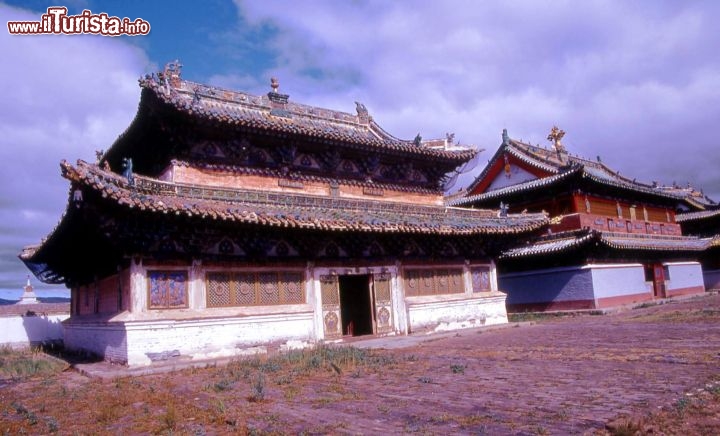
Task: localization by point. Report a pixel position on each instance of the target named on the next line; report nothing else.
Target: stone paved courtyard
(564, 376)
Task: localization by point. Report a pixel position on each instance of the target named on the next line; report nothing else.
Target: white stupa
(28, 296)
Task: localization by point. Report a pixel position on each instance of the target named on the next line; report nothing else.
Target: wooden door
(330, 296)
(659, 280)
(382, 295)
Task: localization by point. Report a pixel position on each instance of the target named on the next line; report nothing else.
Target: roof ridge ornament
(362, 113)
(555, 135)
(278, 101)
(505, 138)
(172, 73)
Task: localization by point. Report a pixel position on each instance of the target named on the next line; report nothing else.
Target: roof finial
(555, 136)
(274, 84)
(505, 137)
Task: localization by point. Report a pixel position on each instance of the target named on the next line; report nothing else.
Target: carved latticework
(329, 287)
(218, 290)
(383, 303)
(254, 289)
(291, 285)
(268, 289)
(245, 295)
(330, 294)
(426, 281)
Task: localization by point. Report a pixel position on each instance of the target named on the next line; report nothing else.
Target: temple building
(706, 223)
(222, 223)
(612, 240)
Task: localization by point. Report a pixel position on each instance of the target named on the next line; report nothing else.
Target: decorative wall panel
(167, 289)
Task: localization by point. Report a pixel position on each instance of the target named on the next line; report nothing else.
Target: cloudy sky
(637, 83)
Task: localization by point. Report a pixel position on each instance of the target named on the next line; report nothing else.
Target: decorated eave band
(275, 113)
(288, 210)
(562, 242)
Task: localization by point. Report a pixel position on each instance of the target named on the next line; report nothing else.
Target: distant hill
(4, 302)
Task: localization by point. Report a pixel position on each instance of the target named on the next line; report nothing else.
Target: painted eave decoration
(562, 242)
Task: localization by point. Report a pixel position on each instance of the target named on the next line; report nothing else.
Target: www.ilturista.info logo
(57, 21)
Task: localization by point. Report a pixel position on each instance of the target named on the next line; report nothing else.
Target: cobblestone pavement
(561, 376)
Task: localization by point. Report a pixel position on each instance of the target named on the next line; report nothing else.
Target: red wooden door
(659, 280)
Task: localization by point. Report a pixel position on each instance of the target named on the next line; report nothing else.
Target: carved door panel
(330, 296)
(383, 303)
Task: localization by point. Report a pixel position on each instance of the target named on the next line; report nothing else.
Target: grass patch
(16, 364)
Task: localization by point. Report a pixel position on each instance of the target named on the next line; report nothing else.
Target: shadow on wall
(42, 329)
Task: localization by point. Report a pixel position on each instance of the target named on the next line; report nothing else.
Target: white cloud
(635, 82)
(63, 98)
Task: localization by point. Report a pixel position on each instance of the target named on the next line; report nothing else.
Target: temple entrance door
(383, 303)
(356, 305)
(330, 306)
(659, 280)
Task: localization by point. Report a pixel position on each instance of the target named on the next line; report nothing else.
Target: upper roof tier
(174, 114)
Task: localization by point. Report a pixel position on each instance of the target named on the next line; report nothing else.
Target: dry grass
(219, 398)
(468, 383)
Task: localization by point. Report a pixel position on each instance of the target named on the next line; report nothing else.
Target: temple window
(227, 289)
(480, 279)
(167, 289)
(421, 282)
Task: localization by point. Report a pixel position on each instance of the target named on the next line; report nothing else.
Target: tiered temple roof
(293, 210)
(566, 241)
(559, 168)
(258, 210)
(183, 120)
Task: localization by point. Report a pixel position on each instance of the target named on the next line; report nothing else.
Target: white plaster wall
(135, 342)
(619, 280)
(212, 338)
(103, 339)
(456, 314)
(684, 275)
(21, 331)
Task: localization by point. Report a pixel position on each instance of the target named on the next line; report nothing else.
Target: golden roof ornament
(274, 84)
(555, 136)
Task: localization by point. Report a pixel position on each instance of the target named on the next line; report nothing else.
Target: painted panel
(168, 289)
(544, 286)
(480, 278)
(619, 280)
(686, 275)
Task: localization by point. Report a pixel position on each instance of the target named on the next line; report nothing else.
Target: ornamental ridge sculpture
(555, 136)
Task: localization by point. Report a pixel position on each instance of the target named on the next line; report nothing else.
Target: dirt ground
(639, 371)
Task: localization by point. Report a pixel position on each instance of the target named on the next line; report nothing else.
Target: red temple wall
(614, 224)
(189, 175)
(102, 296)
